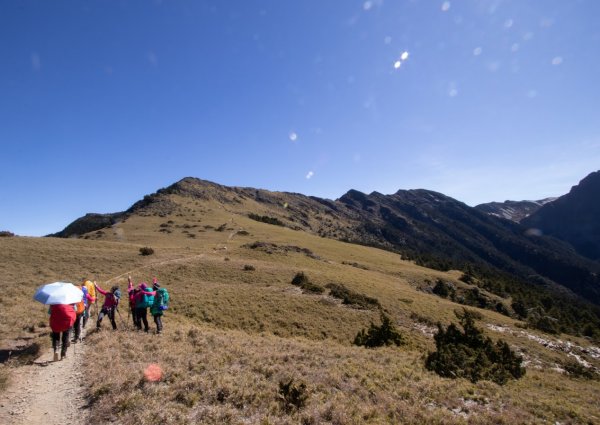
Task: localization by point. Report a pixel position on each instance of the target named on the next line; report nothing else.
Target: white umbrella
(58, 293)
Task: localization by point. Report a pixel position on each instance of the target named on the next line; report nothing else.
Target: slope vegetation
(242, 344)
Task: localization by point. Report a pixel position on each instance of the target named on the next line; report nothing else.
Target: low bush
(443, 289)
(306, 285)
(249, 267)
(292, 396)
(6, 234)
(348, 296)
(146, 251)
(266, 219)
(377, 336)
(469, 354)
(577, 370)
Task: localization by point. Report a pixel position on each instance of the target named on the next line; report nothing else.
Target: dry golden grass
(232, 334)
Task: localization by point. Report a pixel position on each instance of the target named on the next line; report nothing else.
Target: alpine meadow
(272, 322)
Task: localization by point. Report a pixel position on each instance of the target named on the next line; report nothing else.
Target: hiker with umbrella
(61, 297)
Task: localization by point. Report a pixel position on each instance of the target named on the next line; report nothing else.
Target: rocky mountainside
(513, 210)
(574, 217)
(428, 227)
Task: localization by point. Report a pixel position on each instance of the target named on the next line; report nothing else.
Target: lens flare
(153, 373)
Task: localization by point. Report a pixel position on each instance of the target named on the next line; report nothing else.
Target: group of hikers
(65, 318)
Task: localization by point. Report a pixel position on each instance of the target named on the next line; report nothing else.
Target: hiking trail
(47, 392)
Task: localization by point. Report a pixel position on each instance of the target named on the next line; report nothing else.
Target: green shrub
(266, 219)
(146, 251)
(292, 396)
(443, 289)
(299, 279)
(306, 285)
(577, 370)
(377, 336)
(469, 354)
(337, 290)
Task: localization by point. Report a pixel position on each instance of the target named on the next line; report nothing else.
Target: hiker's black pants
(77, 326)
(142, 316)
(158, 321)
(64, 340)
(110, 311)
(86, 314)
(133, 316)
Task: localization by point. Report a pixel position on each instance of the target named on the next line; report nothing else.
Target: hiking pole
(121, 318)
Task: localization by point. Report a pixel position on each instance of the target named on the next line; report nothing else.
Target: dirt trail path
(47, 392)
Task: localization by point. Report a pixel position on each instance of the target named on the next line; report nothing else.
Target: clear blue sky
(102, 102)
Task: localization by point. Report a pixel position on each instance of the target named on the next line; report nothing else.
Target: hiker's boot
(56, 356)
(63, 355)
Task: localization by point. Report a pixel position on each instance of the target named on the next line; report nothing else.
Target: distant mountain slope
(574, 217)
(88, 223)
(513, 210)
(428, 227)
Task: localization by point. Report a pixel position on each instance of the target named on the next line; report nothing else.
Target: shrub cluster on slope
(349, 297)
(378, 336)
(469, 354)
(305, 284)
(266, 219)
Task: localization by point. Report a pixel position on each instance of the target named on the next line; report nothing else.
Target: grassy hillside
(233, 335)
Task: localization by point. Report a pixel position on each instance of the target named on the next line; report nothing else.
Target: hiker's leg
(65, 343)
(77, 328)
(111, 316)
(100, 317)
(138, 318)
(55, 340)
(158, 321)
(144, 316)
(86, 315)
(133, 316)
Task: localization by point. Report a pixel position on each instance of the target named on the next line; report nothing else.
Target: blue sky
(104, 102)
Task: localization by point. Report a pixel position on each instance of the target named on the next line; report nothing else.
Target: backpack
(90, 288)
(162, 299)
(81, 305)
(148, 301)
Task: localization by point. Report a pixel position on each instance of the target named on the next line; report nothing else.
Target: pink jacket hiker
(110, 301)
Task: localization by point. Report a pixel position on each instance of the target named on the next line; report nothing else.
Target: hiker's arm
(90, 298)
(102, 291)
(148, 292)
(129, 283)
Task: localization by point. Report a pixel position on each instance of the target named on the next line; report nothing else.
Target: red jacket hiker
(62, 317)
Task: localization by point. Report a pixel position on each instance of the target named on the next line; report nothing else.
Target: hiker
(62, 318)
(132, 291)
(160, 304)
(142, 302)
(111, 302)
(92, 291)
(80, 311)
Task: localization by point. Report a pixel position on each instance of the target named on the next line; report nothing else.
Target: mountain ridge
(428, 227)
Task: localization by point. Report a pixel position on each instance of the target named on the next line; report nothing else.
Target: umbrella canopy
(58, 293)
